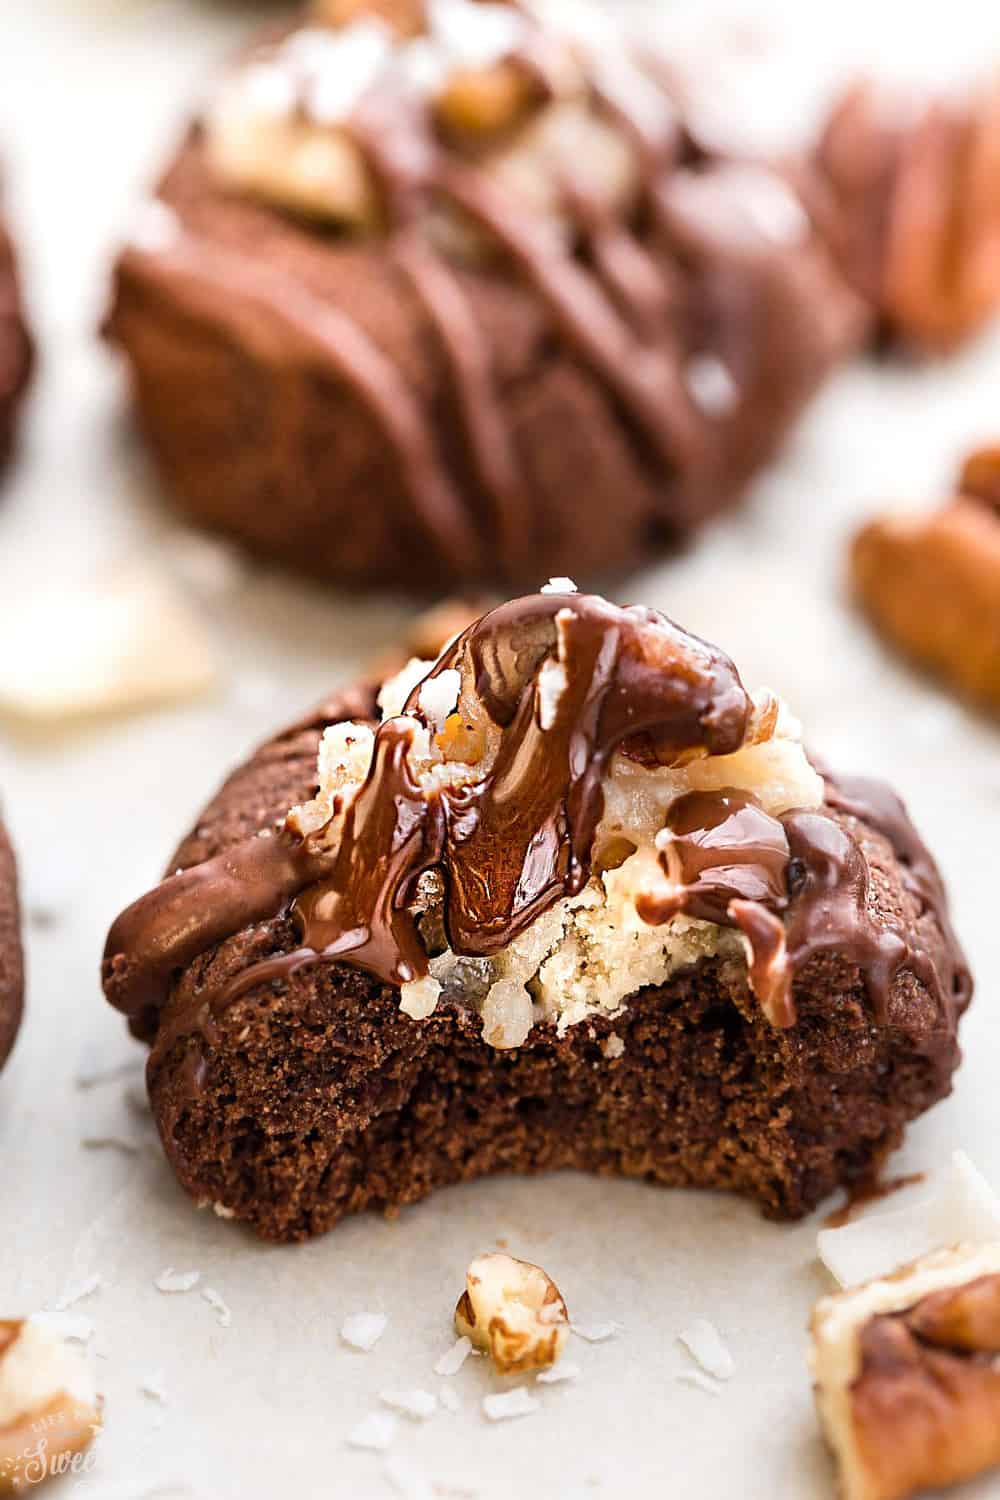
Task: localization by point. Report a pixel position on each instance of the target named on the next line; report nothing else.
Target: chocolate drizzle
(508, 842)
(799, 886)
(563, 681)
(623, 290)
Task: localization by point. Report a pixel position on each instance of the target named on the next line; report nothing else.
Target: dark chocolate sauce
(871, 1188)
(508, 844)
(799, 886)
(723, 847)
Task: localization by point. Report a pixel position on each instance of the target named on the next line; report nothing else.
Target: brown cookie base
(11, 961)
(15, 348)
(258, 439)
(313, 1098)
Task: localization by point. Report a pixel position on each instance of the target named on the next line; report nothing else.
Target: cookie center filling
(571, 804)
(339, 120)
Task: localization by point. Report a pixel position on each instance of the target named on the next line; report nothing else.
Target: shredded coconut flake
(414, 1403)
(560, 586)
(700, 1380)
(613, 1047)
(596, 1333)
(78, 1290)
(960, 1206)
(449, 1399)
(508, 1015)
(407, 1480)
(501, 1406)
(72, 1326)
(551, 686)
(355, 56)
(218, 1304)
(705, 1344)
(711, 385)
(176, 1281)
(155, 228)
(152, 1385)
(363, 1330)
(419, 997)
(439, 695)
(452, 1362)
(375, 1432)
(111, 1143)
(567, 1370)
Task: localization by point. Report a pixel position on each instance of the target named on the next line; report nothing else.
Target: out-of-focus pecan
(407, 17)
(918, 191)
(481, 103)
(932, 582)
(980, 477)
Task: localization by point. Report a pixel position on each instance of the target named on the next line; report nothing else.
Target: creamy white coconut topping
(588, 952)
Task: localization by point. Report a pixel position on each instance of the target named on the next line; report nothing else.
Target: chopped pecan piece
(907, 1375)
(919, 194)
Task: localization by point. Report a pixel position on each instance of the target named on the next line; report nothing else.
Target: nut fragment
(49, 1408)
(480, 103)
(932, 584)
(514, 1312)
(920, 203)
(980, 477)
(907, 1375)
(407, 17)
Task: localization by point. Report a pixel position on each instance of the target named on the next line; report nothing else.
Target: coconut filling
(587, 953)
(281, 126)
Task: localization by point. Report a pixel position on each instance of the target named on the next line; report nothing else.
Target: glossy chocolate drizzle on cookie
(626, 291)
(565, 681)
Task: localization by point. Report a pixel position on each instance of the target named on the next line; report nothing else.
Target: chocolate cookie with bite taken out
(11, 962)
(566, 897)
(447, 294)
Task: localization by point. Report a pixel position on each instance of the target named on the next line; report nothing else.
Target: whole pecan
(918, 190)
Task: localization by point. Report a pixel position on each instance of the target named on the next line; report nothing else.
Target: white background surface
(90, 95)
